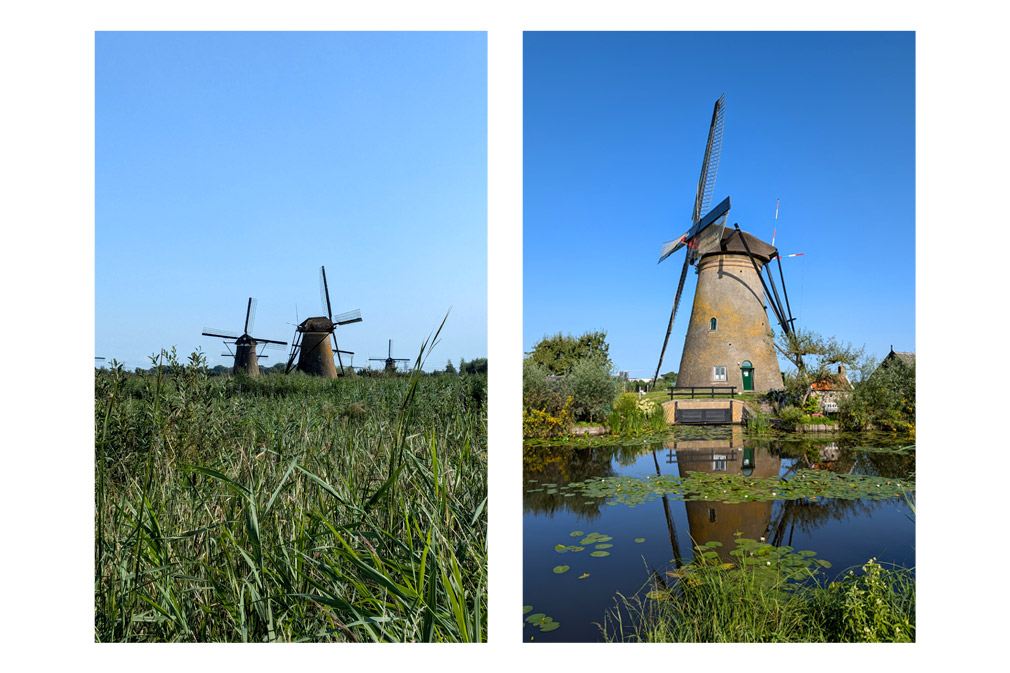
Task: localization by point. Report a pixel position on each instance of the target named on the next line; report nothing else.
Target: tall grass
(768, 594)
(289, 508)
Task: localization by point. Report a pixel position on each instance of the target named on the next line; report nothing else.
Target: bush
(885, 399)
(631, 415)
(792, 416)
(540, 392)
(593, 388)
(540, 423)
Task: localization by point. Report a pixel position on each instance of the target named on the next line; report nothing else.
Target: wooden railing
(712, 391)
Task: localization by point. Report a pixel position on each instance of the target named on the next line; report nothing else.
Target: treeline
(475, 366)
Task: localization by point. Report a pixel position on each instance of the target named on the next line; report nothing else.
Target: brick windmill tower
(311, 344)
(728, 340)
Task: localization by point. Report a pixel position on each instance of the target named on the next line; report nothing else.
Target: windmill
(311, 344)
(728, 338)
(389, 361)
(246, 358)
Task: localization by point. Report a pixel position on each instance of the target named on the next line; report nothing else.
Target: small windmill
(311, 344)
(389, 361)
(246, 357)
(728, 339)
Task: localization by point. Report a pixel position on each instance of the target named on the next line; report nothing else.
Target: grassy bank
(289, 508)
(761, 593)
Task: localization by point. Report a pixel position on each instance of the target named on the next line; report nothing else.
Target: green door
(747, 372)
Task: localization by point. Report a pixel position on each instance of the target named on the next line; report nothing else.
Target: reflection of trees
(561, 465)
(808, 515)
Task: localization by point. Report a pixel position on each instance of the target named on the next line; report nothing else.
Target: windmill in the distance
(311, 344)
(728, 338)
(389, 362)
(246, 357)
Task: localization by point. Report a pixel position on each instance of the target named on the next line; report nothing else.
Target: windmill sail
(702, 199)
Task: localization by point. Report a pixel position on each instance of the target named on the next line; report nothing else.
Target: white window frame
(715, 374)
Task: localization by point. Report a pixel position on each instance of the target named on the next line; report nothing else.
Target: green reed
(289, 508)
(762, 593)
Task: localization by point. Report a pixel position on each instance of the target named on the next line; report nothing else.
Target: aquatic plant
(802, 484)
(767, 594)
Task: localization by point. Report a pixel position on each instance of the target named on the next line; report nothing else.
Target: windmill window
(719, 373)
(711, 325)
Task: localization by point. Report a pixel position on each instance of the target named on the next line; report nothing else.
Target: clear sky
(234, 165)
(615, 126)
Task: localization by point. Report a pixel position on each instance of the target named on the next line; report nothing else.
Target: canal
(596, 527)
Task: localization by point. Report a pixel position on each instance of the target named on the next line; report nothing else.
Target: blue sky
(230, 165)
(615, 126)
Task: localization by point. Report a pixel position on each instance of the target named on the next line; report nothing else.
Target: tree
(449, 368)
(813, 355)
(559, 353)
(593, 387)
(884, 396)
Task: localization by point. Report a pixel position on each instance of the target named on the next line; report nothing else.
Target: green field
(289, 508)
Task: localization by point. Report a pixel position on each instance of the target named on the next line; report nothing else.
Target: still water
(659, 535)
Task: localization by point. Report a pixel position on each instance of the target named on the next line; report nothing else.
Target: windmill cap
(319, 324)
(732, 243)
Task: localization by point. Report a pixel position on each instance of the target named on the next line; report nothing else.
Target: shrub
(885, 398)
(593, 388)
(541, 423)
(792, 416)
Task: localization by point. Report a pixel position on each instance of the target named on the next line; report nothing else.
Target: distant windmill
(311, 344)
(389, 361)
(246, 358)
(728, 337)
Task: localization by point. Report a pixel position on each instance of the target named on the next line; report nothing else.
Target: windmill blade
(673, 246)
(220, 333)
(272, 345)
(336, 349)
(673, 313)
(268, 341)
(710, 164)
(347, 318)
(344, 352)
(296, 342)
(250, 315)
(324, 293)
(390, 354)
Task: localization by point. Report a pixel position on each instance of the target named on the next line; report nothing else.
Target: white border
(48, 122)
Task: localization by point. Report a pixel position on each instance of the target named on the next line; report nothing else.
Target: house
(830, 388)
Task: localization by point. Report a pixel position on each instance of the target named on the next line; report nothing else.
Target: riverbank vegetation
(768, 594)
(289, 508)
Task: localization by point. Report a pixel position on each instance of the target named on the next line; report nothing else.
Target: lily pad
(604, 546)
(549, 626)
(527, 608)
(560, 569)
(639, 539)
(599, 554)
(536, 617)
(576, 533)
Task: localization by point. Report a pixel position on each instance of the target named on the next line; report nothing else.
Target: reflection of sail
(716, 521)
(678, 561)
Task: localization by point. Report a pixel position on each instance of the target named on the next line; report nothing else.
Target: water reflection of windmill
(245, 355)
(728, 340)
(311, 343)
(389, 362)
(721, 521)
